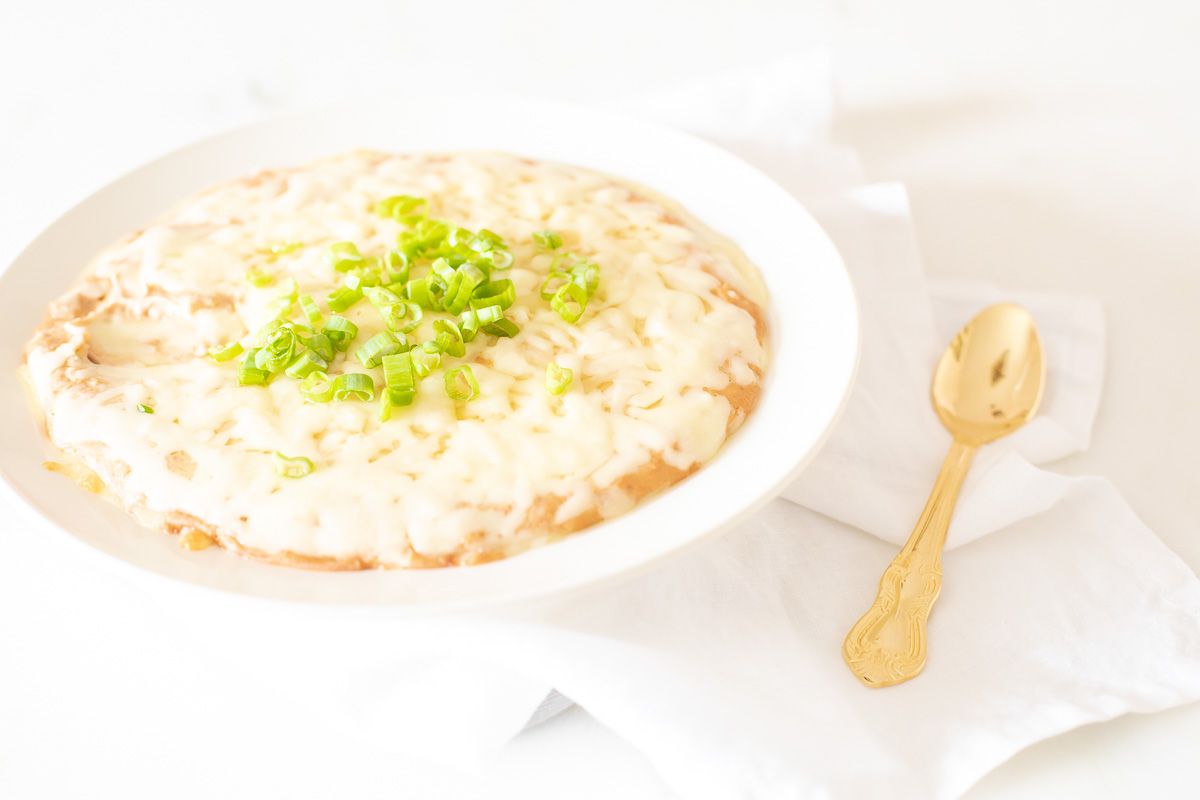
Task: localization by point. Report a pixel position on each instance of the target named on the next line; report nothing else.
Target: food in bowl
(400, 360)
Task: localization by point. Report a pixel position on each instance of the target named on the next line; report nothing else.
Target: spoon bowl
(989, 380)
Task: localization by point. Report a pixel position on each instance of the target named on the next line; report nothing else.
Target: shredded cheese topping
(654, 360)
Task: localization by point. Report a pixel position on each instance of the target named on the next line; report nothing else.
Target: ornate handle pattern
(888, 643)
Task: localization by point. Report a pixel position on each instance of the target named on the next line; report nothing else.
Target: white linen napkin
(723, 665)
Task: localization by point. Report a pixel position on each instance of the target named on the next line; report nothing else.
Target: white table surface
(1045, 145)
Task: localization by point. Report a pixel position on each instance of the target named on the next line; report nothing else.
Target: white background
(1045, 144)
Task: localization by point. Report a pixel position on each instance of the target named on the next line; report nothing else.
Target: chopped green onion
(251, 375)
(468, 325)
(488, 314)
(409, 244)
(587, 275)
(291, 466)
(344, 256)
(368, 275)
(469, 278)
(264, 333)
(354, 386)
(398, 205)
(424, 361)
(448, 287)
(380, 296)
(278, 350)
(396, 266)
(312, 312)
(448, 338)
(283, 248)
(306, 364)
(558, 379)
(554, 281)
(473, 319)
(547, 239)
(320, 344)
(385, 408)
(496, 259)
(259, 277)
(381, 344)
(432, 231)
(485, 241)
(426, 234)
(353, 281)
(459, 238)
(420, 291)
(461, 384)
(570, 302)
(399, 379)
(402, 317)
(437, 291)
(441, 267)
(226, 353)
(340, 331)
(342, 298)
(495, 293)
(504, 328)
(145, 409)
(317, 387)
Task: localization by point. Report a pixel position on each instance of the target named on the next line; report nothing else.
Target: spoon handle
(887, 645)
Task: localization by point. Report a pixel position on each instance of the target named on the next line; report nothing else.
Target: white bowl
(813, 340)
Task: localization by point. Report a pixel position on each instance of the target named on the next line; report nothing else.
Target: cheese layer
(667, 361)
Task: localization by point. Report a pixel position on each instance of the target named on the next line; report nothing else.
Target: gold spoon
(987, 384)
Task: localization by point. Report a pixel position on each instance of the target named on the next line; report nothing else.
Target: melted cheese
(658, 345)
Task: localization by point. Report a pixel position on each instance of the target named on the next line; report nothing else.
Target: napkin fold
(723, 665)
